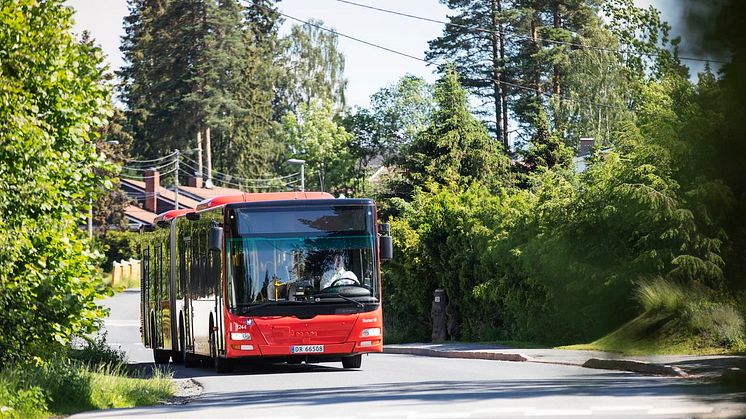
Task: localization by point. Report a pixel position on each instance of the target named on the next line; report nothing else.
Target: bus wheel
(222, 365)
(190, 360)
(160, 356)
(352, 361)
(178, 353)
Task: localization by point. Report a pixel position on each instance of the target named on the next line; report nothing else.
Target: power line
(143, 169)
(238, 177)
(404, 54)
(151, 160)
(492, 31)
(517, 86)
(137, 177)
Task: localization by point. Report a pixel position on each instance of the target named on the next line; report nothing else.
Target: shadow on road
(145, 369)
(439, 392)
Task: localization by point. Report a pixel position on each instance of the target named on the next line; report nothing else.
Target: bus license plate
(305, 349)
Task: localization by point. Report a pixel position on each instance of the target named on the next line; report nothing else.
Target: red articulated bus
(277, 277)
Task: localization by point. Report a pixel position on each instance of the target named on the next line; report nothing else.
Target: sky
(367, 69)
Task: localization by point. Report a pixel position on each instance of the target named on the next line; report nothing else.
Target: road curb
(492, 356)
(595, 363)
(634, 366)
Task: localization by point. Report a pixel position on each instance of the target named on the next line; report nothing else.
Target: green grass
(677, 320)
(67, 387)
(113, 389)
(652, 333)
(90, 376)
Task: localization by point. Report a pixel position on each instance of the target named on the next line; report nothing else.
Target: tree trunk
(556, 78)
(503, 88)
(496, 70)
(537, 66)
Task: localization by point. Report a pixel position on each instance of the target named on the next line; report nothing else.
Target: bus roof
(262, 196)
(171, 214)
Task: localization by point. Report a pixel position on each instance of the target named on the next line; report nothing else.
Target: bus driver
(336, 274)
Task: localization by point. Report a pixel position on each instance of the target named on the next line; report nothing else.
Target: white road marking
(445, 415)
(680, 410)
(502, 410)
(620, 408)
(559, 412)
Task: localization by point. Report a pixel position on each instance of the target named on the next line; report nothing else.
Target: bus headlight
(240, 336)
(373, 331)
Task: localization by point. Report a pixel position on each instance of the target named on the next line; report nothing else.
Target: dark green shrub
(96, 352)
(118, 245)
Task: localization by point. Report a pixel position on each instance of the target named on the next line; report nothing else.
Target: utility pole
(176, 181)
(208, 183)
(199, 154)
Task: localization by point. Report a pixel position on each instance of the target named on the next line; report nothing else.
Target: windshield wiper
(250, 307)
(358, 303)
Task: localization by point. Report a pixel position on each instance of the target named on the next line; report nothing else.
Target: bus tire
(160, 356)
(352, 361)
(221, 365)
(178, 353)
(189, 359)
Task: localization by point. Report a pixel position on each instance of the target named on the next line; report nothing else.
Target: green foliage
(52, 103)
(118, 245)
(89, 376)
(383, 131)
(455, 149)
(677, 318)
(312, 69)
(660, 294)
(65, 387)
(95, 352)
(314, 136)
(196, 64)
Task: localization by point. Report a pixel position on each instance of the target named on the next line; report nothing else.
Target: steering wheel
(334, 284)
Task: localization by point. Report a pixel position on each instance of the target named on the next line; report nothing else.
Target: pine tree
(193, 64)
(475, 43)
(455, 149)
(515, 56)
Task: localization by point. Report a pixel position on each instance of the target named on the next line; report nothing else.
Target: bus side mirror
(215, 238)
(385, 242)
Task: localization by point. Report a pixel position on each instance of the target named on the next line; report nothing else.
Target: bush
(717, 324)
(96, 352)
(696, 309)
(118, 245)
(93, 376)
(53, 103)
(18, 401)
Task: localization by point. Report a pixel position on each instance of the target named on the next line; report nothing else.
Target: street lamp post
(302, 164)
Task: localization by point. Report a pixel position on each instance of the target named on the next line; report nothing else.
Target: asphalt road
(404, 386)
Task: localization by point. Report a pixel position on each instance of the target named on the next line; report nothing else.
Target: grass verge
(89, 378)
(677, 320)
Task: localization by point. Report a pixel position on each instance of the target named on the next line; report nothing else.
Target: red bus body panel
(274, 336)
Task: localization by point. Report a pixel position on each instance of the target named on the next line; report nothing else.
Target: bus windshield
(302, 256)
